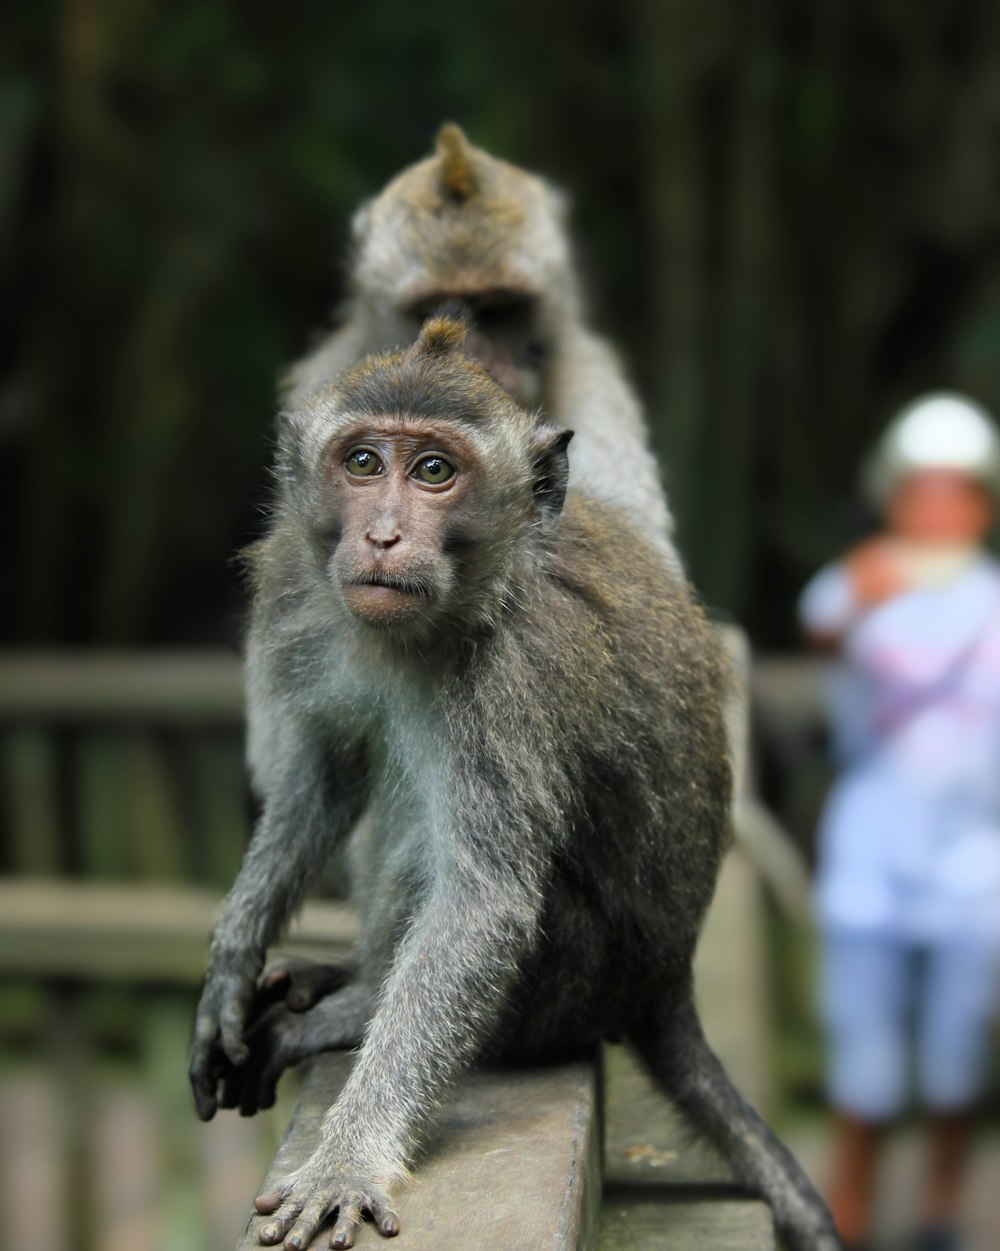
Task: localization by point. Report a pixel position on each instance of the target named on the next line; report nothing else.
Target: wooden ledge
(514, 1161)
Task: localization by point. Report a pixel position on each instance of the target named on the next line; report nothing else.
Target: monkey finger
(269, 1201)
(231, 1029)
(314, 982)
(282, 1215)
(266, 1088)
(312, 1216)
(274, 981)
(233, 1082)
(386, 1220)
(258, 1092)
(347, 1226)
(205, 1103)
(202, 1077)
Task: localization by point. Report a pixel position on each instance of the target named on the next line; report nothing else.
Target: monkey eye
(433, 470)
(362, 463)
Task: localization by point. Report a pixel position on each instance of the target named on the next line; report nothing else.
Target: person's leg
(865, 990)
(958, 1006)
(855, 1154)
(951, 1135)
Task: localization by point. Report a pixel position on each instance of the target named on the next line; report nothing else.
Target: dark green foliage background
(788, 213)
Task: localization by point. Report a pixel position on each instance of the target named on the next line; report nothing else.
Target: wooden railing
(121, 789)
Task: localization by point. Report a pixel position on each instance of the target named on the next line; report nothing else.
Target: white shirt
(910, 837)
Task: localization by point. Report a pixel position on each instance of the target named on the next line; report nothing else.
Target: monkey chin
(384, 607)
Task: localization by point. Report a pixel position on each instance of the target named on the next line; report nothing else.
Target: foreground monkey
(465, 228)
(529, 703)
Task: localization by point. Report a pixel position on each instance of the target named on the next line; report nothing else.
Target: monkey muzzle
(385, 599)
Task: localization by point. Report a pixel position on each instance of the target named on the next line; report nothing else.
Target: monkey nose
(383, 537)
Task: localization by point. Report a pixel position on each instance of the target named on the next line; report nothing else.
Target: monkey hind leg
(673, 1046)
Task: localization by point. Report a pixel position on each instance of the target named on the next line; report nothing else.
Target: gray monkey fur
(548, 796)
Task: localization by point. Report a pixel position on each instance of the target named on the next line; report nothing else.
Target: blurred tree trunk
(677, 47)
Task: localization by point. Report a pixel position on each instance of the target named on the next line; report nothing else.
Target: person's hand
(875, 572)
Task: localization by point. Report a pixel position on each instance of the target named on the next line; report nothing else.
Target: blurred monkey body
(464, 228)
(526, 699)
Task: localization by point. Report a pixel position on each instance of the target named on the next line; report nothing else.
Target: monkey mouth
(386, 600)
(383, 578)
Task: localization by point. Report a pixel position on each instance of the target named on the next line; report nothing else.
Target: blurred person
(908, 886)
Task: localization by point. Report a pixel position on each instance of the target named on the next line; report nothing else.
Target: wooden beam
(166, 687)
(134, 933)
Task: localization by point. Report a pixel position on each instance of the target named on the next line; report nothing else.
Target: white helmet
(940, 430)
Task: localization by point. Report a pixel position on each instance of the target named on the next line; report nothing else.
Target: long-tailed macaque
(464, 228)
(527, 699)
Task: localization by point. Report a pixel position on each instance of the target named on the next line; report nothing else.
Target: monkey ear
(559, 203)
(289, 462)
(361, 223)
(551, 473)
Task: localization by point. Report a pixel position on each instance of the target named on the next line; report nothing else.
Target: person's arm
(841, 593)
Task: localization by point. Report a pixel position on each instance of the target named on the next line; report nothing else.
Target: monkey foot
(297, 1208)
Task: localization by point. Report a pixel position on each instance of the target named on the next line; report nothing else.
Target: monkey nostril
(383, 540)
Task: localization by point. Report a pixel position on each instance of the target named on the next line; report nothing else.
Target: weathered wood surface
(647, 1219)
(513, 1161)
(65, 929)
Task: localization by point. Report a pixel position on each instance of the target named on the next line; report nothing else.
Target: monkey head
(421, 484)
(465, 228)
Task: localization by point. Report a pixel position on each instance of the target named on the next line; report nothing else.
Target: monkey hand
(298, 982)
(279, 1038)
(219, 1025)
(296, 1208)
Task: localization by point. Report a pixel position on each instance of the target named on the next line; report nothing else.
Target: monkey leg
(281, 1038)
(673, 1045)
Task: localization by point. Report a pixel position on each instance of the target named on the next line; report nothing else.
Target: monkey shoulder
(606, 563)
(609, 642)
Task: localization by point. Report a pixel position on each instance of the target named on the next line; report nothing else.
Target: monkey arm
(444, 993)
(312, 802)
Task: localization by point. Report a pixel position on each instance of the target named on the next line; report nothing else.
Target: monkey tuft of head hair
(458, 178)
(441, 334)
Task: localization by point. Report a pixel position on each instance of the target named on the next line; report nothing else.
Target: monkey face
(423, 487)
(405, 498)
(504, 334)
